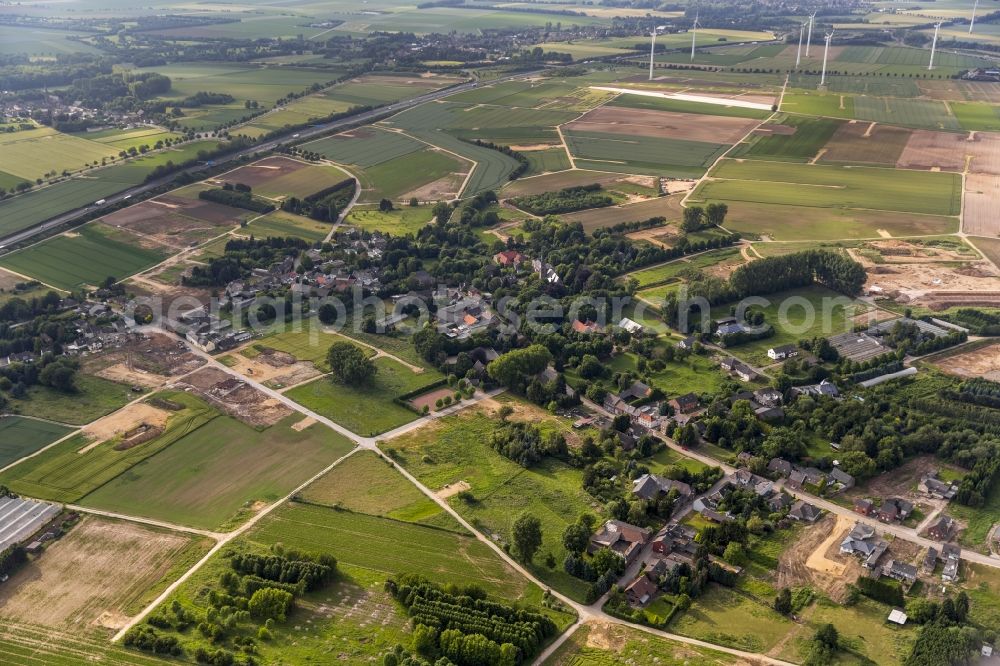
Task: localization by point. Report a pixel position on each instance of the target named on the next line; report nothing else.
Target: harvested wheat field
(80, 582)
(982, 192)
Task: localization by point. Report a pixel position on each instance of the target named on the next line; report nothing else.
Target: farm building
(857, 346)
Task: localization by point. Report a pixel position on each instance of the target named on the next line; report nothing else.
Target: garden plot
(80, 581)
(663, 124)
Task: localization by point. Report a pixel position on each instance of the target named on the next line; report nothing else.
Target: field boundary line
(152, 522)
(41, 450)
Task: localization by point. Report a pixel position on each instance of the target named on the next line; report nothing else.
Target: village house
(739, 368)
(824, 388)
(780, 467)
(684, 404)
(894, 509)
(951, 556)
(640, 591)
(676, 539)
(930, 560)
(687, 344)
(941, 529)
(508, 258)
(585, 327)
(621, 538)
(864, 506)
(804, 512)
(782, 352)
(862, 542)
(633, 327)
(931, 485)
(840, 480)
(901, 571)
(652, 487)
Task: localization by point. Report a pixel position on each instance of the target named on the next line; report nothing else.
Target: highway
(296, 138)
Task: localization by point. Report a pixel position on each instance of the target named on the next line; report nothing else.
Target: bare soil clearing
(453, 489)
(148, 362)
(983, 362)
(815, 559)
(127, 419)
(982, 192)
(862, 143)
(237, 398)
(263, 171)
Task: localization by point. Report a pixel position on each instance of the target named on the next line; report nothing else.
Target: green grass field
(398, 222)
(724, 617)
(456, 448)
(670, 271)
(820, 186)
(23, 644)
(365, 147)
(810, 135)
(367, 410)
(615, 645)
(641, 154)
(365, 483)
(550, 159)
(281, 223)
(819, 104)
(301, 183)
(976, 116)
(64, 474)
(94, 398)
(83, 257)
(398, 178)
(194, 481)
(31, 154)
(20, 437)
(309, 344)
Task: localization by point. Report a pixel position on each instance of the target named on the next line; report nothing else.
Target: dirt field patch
(299, 426)
(815, 559)
(79, 581)
(983, 362)
(572, 178)
(453, 489)
(262, 171)
(274, 368)
(149, 361)
(236, 398)
(663, 124)
(865, 144)
(430, 398)
(928, 150)
(980, 218)
(124, 420)
(442, 188)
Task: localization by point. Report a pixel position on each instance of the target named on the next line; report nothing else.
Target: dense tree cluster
(565, 200)
(228, 195)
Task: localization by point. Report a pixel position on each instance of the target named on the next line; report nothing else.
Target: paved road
(299, 137)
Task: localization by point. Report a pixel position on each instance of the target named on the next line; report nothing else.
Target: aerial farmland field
(83, 257)
(642, 154)
(31, 154)
(21, 436)
(835, 186)
(788, 138)
(205, 489)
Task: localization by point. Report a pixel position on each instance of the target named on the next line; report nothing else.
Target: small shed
(897, 617)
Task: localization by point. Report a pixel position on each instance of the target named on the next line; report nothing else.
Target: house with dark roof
(864, 506)
(930, 560)
(779, 466)
(840, 479)
(687, 344)
(637, 391)
(901, 571)
(684, 404)
(931, 485)
(621, 538)
(951, 555)
(894, 509)
(862, 542)
(640, 591)
(652, 487)
(738, 368)
(676, 539)
(941, 529)
(804, 512)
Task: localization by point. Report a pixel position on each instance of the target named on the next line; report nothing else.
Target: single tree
(349, 365)
(527, 536)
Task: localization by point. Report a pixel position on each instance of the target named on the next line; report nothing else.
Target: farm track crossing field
(83, 257)
(862, 143)
(372, 542)
(791, 138)
(492, 167)
(365, 146)
(365, 483)
(929, 114)
(368, 410)
(859, 85)
(281, 177)
(642, 154)
(28, 644)
(456, 448)
(835, 186)
(20, 437)
(194, 481)
(648, 277)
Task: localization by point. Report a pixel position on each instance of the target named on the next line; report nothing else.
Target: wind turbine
(798, 54)
(826, 52)
(809, 36)
(652, 49)
(694, 35)
(937, 27)
(972, 23)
